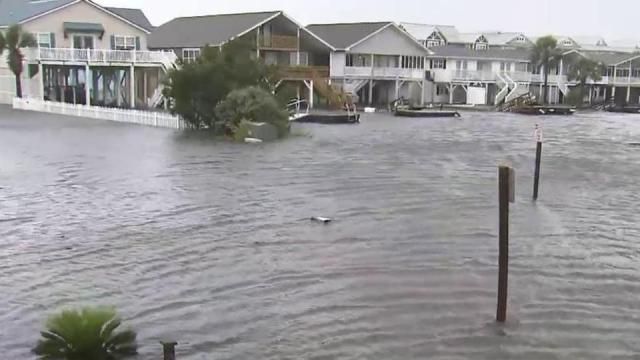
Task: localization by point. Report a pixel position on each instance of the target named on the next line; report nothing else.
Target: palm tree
(12, 41)
(545, 54)
(581, 71)
(86, 334)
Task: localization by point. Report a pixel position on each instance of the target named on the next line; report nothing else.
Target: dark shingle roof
(492, 53)
(15, 11)
(135, 16)
(341, 36)
(608, 58)
(199, 31)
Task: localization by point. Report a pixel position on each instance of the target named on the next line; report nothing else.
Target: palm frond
(12, 36)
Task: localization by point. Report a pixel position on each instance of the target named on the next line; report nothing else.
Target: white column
(298, 50)
(424, 84)
(370, 91)
(88, 82)
(311, 94)
(145, 82)
(615, 80)
(450, 93)
(41, 83)
(486, 93)
(397, 89)
(257, 43)
(590, 94)
(132, 86)
(629, 84)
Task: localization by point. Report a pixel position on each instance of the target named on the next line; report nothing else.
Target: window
(622, 73)
(44, 40)
(434, 43)
(505, 66)
(567, 42)
(358, 60)
(481, 46)
(442, 90)
(635, 73)
(461, 64)
(520, 39)
(190, 55)
(412, 62)
(434, 40)
(122, 42)
(438, 64)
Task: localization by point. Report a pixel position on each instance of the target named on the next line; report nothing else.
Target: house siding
(389, 41)
(84, 12)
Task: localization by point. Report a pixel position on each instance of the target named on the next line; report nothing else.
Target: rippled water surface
(210, 244)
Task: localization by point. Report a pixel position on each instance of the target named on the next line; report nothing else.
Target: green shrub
(89, 334)
(252, 104)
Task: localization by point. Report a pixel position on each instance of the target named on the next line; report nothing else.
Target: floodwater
(210, 244)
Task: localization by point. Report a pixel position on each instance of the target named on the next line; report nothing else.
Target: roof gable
(389, 40)
(342, 36)
(423, 31)
(198, 31)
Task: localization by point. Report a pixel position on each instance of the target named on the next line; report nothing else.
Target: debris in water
(321, 219)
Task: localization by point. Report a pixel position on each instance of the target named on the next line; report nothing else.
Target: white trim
(253, 27)
(90, 3)
(308, 31)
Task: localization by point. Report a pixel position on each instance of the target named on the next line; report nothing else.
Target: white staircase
(351, 86)
(504, 84)
(562, 85)
(517, 88)
(169, 60)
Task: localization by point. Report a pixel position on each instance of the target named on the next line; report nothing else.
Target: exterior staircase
(503, 83)
(336, 98)
(352, 86)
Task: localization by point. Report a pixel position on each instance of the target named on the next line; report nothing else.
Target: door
(83, 42)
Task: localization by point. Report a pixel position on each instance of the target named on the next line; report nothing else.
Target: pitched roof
(502, 38)
(135, 16)
(453, 51)
(467, 38)
(343, 35)
(423, 31)
(608, 58)
(198, 31)
(15, 11)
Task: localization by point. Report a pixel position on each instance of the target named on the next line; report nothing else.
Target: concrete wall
(390, 41)
(84, 12)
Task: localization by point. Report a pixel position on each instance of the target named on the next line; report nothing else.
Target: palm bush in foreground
(90, 333)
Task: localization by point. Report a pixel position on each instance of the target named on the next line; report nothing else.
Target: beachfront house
(279, 40)
(376, 62)
(86, 53)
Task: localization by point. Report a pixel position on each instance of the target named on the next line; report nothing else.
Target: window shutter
(137, 42)
(113, 42)
(53, 39)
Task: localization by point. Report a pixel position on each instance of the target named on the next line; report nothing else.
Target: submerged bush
(89, 334)
(255, 105)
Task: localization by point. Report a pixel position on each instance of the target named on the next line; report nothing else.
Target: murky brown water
(210, 244)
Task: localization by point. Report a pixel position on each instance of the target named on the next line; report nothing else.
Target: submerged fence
(147, 118)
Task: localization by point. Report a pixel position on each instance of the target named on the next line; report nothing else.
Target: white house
(379, 61)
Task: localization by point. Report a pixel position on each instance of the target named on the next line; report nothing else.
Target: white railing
(384, 72)
(505, 88)
(100, 55)
(147, 118)
(473, 75)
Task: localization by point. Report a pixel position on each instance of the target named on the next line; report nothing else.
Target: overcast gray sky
(613, 19)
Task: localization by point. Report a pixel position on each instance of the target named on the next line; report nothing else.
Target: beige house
(86, 53)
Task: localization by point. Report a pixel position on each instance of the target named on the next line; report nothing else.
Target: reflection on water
(210, 244)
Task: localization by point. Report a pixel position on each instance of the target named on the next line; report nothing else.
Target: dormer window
(481, 46)
(434, 40)
(601, 43)
(434, 43)
(520, 39)
(567, 42)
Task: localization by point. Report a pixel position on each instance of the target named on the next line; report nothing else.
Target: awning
(82, 27)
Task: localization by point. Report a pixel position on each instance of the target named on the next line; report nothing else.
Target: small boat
(629, 109)
(327, 118)
(421, 112)
(543, 110)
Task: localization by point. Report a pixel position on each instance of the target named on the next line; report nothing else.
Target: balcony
(384, 72)
(100, 56)
(304, 72)
(279, 42)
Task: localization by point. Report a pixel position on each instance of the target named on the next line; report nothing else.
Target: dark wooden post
(504, 175)
(536, 176)
(169, 349)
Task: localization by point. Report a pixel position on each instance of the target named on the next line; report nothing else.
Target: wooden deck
(304, 72)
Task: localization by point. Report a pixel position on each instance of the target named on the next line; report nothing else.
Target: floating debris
(321, 219)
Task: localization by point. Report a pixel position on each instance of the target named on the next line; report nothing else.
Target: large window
(123, 42)
(438, 64)
(481, 46)
(622, 73)
(412, 62)
(358, 60)
(44, 40)
(190, 55)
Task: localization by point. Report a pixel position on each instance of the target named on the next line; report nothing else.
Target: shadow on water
(209, 243)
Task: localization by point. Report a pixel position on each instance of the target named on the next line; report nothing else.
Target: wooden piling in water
(169, 350)
(536, 176)
(505, 173)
